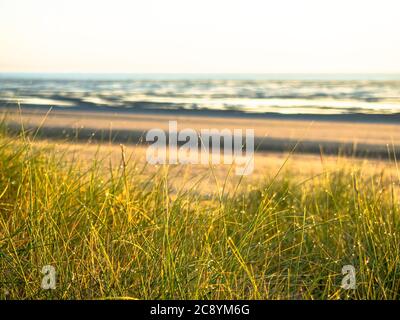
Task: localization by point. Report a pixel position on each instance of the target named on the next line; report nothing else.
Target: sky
(207, 36)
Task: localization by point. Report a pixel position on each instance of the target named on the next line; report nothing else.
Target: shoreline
(152, 108)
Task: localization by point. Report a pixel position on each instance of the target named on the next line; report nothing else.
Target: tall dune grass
(117, 233)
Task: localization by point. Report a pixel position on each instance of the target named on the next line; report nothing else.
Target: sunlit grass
(119, 233)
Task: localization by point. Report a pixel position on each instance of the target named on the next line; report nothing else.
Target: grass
(117, 231)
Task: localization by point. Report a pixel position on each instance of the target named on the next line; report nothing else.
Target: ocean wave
(257, 96)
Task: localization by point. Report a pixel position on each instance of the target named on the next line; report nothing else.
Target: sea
(243, 93)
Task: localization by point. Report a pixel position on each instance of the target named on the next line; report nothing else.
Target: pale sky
(202, 36)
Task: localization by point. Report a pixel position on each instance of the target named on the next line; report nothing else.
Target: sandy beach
(360, 139)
